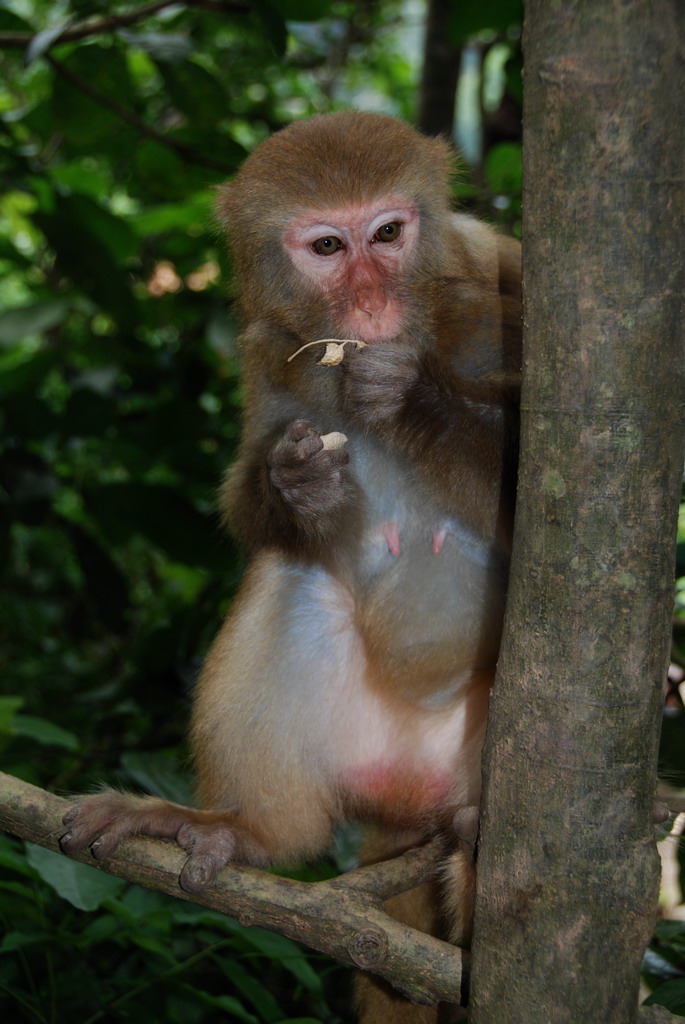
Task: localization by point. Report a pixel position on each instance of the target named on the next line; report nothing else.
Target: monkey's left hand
(378, 380)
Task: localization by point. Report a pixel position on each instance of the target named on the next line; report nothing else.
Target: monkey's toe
(211, 848)
(199, 871)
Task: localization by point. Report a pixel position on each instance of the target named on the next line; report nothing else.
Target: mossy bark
(568, 870)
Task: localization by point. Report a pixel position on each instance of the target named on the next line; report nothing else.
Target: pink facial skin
(358, 277)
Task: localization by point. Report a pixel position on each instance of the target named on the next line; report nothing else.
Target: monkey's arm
(287, 490)
(460, 433)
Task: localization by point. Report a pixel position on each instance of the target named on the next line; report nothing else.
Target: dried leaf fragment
(333, 355)
(334, 440)
(335, 350)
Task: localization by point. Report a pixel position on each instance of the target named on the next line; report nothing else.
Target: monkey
(351, 678)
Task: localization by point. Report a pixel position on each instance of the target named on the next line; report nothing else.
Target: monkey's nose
(371, 300)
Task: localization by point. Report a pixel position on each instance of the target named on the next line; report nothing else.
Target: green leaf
(114, 232)
(470, 17)
(35, 318)
(163, 515)
(45, 732)
(43, 40)
(229, 1005)
(12, 859)
(195, 213)
(252, 988)
(11, 22)
(26, 892)
(83, 121)
(158, 170)
(8, 707)
(84, 887)
(13, 941)
(107, 587)
(195, 91)
(87, 412)
(671, 933)
(670, 994)
(302, 10)
(159, 773)
(20, 371)
(273, 23)
(89, 252)
(288, 953)
(503, 169)
(9, 252)
(82, 176)
(167, 47)
(159, 945)
(101, 928)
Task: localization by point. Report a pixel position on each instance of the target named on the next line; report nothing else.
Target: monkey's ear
(224, 205)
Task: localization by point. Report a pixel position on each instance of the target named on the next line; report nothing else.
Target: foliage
(120, 404)
(664, 967)
(107, 951)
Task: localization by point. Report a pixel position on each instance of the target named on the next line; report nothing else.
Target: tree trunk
(441, 63)
(568, 870)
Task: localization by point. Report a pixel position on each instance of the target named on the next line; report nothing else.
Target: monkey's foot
(465, 825)
(211, 849)
(660, 812)
(103, 821)
(212, 838)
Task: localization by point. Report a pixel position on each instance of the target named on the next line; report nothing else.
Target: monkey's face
(358, 259)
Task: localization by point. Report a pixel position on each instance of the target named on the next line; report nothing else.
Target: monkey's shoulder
(489, 251)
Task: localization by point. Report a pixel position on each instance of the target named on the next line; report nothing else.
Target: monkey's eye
(327, 246)
(389, 232)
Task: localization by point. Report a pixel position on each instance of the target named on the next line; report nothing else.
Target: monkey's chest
(427, 581)
(431, 603)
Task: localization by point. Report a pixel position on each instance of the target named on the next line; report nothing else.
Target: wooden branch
(22, 40)
(343, 917)
(656, 1015)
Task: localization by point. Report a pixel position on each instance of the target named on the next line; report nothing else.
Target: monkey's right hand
(309, 477)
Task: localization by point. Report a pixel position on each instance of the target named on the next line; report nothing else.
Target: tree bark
(568, 870)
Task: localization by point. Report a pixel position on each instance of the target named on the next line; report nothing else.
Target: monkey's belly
(290, 687)
(430, 598)
(431, 607)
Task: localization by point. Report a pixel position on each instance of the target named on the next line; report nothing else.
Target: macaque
(351, 678)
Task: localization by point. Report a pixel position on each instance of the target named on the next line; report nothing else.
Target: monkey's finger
(299, 443)
(310, 445)
(102, 837)
(88, 820)
(299, 429)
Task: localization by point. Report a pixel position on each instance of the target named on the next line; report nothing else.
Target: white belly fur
(304, 684)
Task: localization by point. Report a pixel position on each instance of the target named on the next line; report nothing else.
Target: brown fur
(352, 675)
